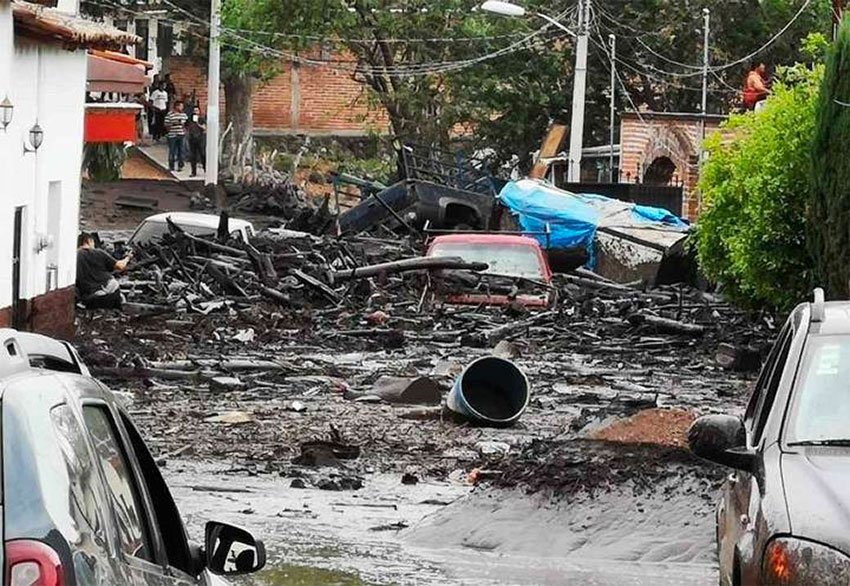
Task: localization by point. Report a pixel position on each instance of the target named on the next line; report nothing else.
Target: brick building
(301, 99)
(663, 148)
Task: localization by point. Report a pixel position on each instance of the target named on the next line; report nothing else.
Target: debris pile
(253, 352)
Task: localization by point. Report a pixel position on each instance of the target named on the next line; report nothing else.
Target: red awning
(111, 122)
(112, 75)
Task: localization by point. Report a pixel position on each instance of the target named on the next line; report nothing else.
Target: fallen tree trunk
(431, 263)
(670, 326)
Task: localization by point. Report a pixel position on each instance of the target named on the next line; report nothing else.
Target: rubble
(604, 351)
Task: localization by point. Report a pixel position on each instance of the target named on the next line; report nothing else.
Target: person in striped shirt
(175, 123)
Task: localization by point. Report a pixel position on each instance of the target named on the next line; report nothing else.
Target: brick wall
(652, 135)
(51, 314)
(304, 99)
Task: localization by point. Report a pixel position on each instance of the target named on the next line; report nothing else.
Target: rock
(409, 479)
(491, 448)
(232, 418)
(407, 391)
(244, 336)
(506, 350)
(328, 484)
(226, 383)
(377, 318)
(298, 483)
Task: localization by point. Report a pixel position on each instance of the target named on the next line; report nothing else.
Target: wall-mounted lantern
(36, 137)
(7, 109)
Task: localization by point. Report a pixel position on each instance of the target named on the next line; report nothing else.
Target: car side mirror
(119, 249)
(231, 551)
(721, 439)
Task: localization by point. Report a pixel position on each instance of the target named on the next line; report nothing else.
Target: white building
(42, 104)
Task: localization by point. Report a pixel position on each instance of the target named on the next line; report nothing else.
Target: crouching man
(97, 286)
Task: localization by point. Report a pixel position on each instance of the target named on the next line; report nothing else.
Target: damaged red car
(518, 270)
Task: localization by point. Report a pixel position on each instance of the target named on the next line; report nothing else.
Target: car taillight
(778, 563)
(32, 563)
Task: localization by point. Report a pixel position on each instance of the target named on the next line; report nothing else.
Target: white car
(155, 227)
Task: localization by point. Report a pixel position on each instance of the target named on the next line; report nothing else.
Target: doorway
(18, 304)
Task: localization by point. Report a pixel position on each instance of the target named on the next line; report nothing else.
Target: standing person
(189, 105)
(755, 88)
(196, 132)
(142, 120)
(159, 99)
(170, 89)
(96, 284)
(175, 124)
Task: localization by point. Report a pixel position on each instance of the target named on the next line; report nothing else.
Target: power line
(714, 68)
(411, 70)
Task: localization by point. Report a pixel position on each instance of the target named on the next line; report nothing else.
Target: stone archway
(660, 172)
(652, 141)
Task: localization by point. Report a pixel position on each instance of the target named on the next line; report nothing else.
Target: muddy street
(320, 423)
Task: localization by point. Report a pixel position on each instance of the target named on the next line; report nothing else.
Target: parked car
(155, 227)
(783, 515)
(83, 500)
(516, 259)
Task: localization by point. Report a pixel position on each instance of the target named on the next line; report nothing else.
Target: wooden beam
(551, 144)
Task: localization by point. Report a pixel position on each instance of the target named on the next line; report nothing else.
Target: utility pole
(579, 90)
(706, 15)
(612, 40)
(213, 84)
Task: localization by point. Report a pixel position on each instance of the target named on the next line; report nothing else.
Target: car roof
(836, 319)
(471, 238)
(196, 219)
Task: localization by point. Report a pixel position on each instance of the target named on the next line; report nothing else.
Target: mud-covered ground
(274, 412)
(592, 485)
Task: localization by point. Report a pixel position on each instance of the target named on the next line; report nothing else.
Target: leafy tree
(755, 188)
(829, 214)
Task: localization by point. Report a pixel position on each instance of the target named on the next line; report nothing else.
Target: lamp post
(580, 73)
(6, 111)
(36, 136)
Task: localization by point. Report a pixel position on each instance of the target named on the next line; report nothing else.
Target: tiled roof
(72, 31)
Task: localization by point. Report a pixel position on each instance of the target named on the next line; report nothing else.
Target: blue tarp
(573, 218)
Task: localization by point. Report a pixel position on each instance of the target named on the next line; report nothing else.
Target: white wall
(45, 84)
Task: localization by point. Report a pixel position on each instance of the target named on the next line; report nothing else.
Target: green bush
(103, 161)
(829, 213)
(756, 187)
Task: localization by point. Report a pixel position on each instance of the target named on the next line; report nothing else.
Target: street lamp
(6, 111)
(36, 136)
(509, 9)
(579, 81)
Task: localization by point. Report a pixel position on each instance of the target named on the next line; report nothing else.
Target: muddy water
(659, 537)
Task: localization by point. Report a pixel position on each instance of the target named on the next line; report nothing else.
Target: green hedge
(756, 186)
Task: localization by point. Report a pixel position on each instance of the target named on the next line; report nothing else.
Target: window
(503, 259)
(87, 499)
(167, 516)
(120, 483)
(771, 379)
(822, 395)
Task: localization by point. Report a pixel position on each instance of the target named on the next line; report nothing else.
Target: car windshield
(503, 259)
(822, 397)
(151, 231)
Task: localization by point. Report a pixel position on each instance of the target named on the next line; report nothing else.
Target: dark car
(784, 517)
(83, 501)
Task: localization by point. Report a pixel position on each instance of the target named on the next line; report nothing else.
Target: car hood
(816, 480)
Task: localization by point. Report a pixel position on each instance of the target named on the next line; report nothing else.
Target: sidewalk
(158, 151)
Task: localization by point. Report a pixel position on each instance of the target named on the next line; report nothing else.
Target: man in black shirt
(96, 285)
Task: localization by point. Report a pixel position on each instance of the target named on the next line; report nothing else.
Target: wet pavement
(455, 535)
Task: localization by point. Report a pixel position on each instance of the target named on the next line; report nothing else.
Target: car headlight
(793, 562)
